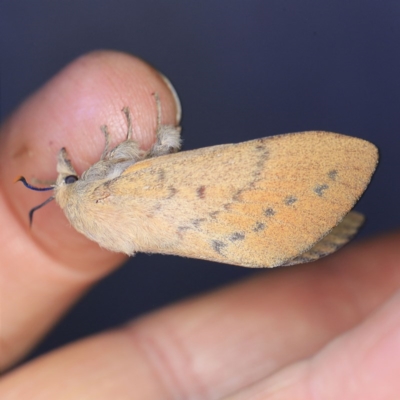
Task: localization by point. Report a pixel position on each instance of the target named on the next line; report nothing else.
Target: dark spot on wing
(269, 212)
(259, 227)
(237, 195)
(196, 222)
(319, 189)
(290, 200)
(218, 246)
(227, 206)
(160, 174)
(333, 174)
(172, 192)
(214, 214)
(201, 192)
(237, 236)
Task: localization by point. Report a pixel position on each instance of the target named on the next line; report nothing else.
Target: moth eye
(70, 179)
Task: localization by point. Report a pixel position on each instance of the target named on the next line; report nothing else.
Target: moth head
(63, 186)
(66, 178)
(66, 172)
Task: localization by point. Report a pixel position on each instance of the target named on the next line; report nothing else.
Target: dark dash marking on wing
(160, 174)
(269, 212)
(319, 189)
(201, 192)
(214, 214)
(290, 200)
(218, 246)
(172, 192)
(333, 174)
(237, 236)
(197, 222)
(259, 227)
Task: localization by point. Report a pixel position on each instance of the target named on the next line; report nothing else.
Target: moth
(279, 200)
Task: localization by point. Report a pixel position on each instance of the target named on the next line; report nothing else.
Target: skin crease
(324, 330)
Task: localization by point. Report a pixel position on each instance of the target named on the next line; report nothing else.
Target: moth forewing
(258, 203)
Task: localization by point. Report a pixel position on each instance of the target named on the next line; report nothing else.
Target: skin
(324, 330)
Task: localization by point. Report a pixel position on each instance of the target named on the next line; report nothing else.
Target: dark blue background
(243, 69)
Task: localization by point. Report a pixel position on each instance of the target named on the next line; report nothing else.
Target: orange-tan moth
(279, 200)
